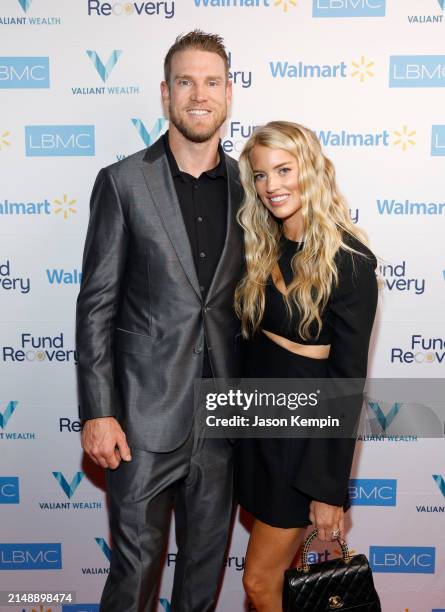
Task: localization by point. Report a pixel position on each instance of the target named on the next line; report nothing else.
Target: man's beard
(196, 135)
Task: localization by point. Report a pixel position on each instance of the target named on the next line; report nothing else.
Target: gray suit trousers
(194, 479)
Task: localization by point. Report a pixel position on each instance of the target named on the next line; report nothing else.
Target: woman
(307, 303)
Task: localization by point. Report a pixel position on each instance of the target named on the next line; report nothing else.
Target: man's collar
(218, 171)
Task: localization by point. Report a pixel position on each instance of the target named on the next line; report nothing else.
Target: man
(162, 258)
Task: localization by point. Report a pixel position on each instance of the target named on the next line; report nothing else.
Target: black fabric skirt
(265, 468)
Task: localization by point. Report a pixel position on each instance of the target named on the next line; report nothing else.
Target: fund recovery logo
(435, 508)
(38, 349)
(59, 140)
(395, 278)
(7, 410)
(421, 349)
(373, 491)
(9, 490)
(148, 133)
(137, 8)
(63, 207)
(41, 556)
(25, 13)
(417, 71)
(348, 8)
(282, 5)
(403, 559)
(104, 67)
(24, 73)
(69, 486)
(97, 569)
(435, 14)
(11, 281)
(242, 78)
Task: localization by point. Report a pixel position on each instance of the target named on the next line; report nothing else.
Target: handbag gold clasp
(335, 602)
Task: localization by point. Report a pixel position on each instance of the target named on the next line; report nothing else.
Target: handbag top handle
(307, 542)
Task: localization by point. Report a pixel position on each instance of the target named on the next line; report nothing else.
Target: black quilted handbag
(338, 584)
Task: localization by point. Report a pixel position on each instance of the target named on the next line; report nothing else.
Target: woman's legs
(270, 552)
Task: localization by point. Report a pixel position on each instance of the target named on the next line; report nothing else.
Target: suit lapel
(162, 190)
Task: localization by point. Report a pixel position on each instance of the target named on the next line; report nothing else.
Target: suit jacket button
(197, 349)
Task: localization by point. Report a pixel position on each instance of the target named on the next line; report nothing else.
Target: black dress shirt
(203, 203)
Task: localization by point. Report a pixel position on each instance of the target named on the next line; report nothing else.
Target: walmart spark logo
(104, 70)
(404, 138)
(3, 139)
(438, 479)
(25, 4)
(6, 415)
(69, 488)
(104, 547)
(285, 4)
(385, 421)
(362, 69)
(149, 137)
(65, 206)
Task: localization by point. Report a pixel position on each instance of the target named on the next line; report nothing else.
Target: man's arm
(102, 269)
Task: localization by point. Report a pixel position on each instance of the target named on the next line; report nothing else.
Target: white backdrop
(79, 89)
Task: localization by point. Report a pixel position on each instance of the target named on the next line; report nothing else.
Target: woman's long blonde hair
(326, 223)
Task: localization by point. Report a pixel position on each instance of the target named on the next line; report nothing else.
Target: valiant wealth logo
(417, 71)
(434, 17)
(421, 349)
(373, 492)
(24, 72)
(402, 559)
(434, 508)
(27, 7)
(438, 140)
(10, 282)
(30, 556)
(381, 414)
(348, 8)
(104, 68)
(59, 140)
(138, 8)
(41, 349)
(394, 278)
(148, 135)
(69, 488)
(9, 490)
(6, 413)
(96, 569)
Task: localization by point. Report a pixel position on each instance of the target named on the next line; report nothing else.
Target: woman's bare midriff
(313, 351)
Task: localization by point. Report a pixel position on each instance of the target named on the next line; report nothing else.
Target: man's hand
(104, 442)
(327, 519)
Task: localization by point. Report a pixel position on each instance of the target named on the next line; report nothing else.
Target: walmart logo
(25, 4)
(6, 415)
(4, 139)
(385, 421)
(104, 547)
(104, 70)
(65, 205)
(149, 137)
(438, 479)
(361, 69)
(69, 489)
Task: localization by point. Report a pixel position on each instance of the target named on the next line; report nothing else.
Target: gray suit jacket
(141, 319)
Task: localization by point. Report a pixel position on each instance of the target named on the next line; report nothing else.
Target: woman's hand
(326, 519)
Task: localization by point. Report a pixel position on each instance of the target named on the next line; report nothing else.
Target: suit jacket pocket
(132, 342)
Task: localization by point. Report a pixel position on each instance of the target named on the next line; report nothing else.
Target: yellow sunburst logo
(41, 609)
(285, 4)
(404, 138)
(3, 140)
(65, 206)
(363, 69)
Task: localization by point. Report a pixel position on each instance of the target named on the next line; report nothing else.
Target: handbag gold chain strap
(307, 542)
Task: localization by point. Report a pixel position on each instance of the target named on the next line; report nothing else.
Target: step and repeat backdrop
(79, 89)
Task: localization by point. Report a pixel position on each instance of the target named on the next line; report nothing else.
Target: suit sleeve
(324, 472)
(102, 270)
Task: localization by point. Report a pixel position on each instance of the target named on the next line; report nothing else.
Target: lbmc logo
(30, 556)
(9, 490)
(403, 559)
(438, 140)
(24, 72)
(59, 140)
(348, 8)
(417, 71)
(372, 492)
